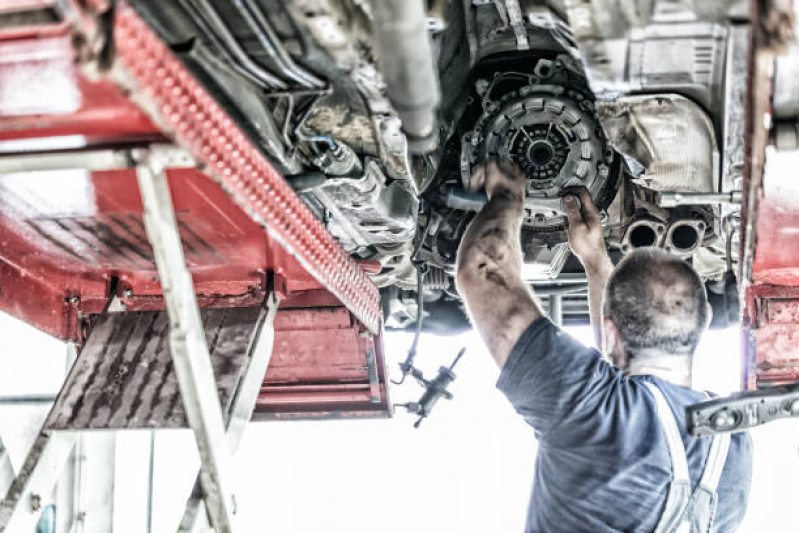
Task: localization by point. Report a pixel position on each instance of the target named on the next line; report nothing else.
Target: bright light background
(467, 469)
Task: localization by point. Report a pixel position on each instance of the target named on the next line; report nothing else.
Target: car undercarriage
(377, 114)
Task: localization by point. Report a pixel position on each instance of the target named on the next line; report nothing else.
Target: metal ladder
(125, 375)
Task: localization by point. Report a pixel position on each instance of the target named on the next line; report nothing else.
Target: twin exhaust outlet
(681, 236)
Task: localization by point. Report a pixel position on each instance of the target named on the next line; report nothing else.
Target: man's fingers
(478, 178)
(590, 212)
(510, 168)
(573, 215)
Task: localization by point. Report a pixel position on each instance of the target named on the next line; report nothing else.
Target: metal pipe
(556, 309)
(672, 199)
(641, 233)
(190, 357)
(406, 61)
(252, 14)
(684, 236)
(84, 159)
(239, 60)
(26, 400)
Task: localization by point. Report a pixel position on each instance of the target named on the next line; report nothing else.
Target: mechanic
(613, 450)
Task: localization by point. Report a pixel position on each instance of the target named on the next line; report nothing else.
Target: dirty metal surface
(772, 341)
(124, 377)
(177, 101)
(67, 233)
(324, 364)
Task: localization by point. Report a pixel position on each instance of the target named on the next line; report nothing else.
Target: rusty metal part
(643, 232)
(684, 236)
(166, 90)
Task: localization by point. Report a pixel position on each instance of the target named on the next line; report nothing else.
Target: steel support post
(190, 354)
(556, 309)
(6, 470)
(33, 486)
(243, 404)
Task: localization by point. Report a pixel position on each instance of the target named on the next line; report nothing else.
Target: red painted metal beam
(44, 95)
(186, 111)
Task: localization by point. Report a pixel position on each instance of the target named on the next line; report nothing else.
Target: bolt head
(36, 503)
(724, 419)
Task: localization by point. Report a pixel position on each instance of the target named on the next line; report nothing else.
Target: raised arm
(588, 244)
(501, 306)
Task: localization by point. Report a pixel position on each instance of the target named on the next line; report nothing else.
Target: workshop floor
(467, 469)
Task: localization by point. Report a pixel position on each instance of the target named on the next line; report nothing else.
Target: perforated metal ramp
(125, 379)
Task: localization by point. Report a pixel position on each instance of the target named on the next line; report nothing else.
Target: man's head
(655, 306)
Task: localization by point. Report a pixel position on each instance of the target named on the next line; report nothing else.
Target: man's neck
(675, 369)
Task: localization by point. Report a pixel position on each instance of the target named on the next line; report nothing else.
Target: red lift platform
(72, 230)
(139, 223)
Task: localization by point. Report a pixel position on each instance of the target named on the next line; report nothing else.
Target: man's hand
(584, 229)
(588, 244)
(498, 177)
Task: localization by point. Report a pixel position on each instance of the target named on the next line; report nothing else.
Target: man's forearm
(489, 275)
(495, 230)
(597, 272)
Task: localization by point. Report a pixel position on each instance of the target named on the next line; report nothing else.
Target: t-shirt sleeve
(549, 377)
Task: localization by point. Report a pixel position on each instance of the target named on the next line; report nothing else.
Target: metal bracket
(742, 411)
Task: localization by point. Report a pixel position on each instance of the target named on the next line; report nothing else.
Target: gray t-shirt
(603, 464)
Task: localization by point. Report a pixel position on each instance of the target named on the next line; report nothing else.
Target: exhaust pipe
(684, 236)
(643, 233)
(406, 62)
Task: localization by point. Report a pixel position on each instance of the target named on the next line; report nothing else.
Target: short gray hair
(656, 300)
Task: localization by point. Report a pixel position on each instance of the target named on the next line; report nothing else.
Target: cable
(407, 365)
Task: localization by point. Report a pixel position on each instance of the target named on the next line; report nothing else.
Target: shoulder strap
(673, 437)
(714, 465)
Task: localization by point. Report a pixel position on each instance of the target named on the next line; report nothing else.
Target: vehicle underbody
(381, 146)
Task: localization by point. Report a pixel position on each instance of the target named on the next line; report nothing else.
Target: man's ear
(613, 345)
(611, 334)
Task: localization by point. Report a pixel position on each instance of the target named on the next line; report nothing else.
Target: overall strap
(702, 509)
(714, 465)
(672, 432)
(679, 495)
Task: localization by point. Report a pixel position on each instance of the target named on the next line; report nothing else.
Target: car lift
(96, 395)
(152, 343)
